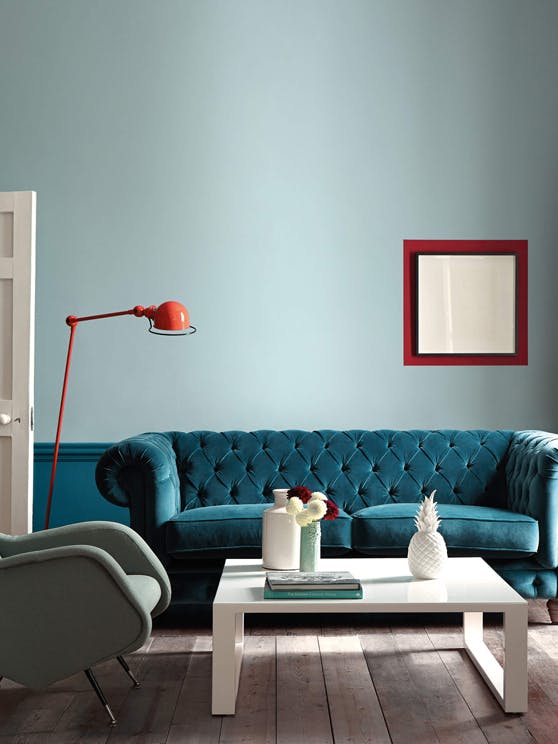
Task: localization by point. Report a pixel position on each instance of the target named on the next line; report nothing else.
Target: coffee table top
(468, 585)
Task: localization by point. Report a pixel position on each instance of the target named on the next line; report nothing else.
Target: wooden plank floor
(305, 680)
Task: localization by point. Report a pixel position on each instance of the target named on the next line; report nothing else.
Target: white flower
(316, 509)
(302, 518)
(294, 505)
(318, 495)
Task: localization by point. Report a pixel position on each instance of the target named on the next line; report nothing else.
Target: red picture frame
(412, 249)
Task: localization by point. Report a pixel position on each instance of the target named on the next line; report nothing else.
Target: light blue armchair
(73, 597)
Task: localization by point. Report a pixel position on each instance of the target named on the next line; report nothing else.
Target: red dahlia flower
(332, 510)
(300, 492)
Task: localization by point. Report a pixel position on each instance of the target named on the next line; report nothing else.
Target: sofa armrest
(65, 609)
(141, 473)
(532, 486)
(122, 543)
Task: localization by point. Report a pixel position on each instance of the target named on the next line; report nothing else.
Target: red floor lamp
(169, 319)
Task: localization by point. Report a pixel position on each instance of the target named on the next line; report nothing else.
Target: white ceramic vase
(280, 535)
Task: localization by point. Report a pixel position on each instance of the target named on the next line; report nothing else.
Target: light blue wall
(263, 161)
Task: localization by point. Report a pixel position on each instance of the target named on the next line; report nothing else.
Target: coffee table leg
(509, 684)
(516, 655)
(228, 645)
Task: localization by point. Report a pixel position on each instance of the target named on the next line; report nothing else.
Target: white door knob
(5, 418)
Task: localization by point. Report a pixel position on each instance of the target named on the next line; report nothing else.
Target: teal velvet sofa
(198, 497)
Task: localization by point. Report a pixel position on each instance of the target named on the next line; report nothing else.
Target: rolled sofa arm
(141, 473)
(532, 484)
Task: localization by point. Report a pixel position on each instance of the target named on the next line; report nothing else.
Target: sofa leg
(552, 606)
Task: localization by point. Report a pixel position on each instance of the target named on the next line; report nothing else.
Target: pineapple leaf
(427, 519)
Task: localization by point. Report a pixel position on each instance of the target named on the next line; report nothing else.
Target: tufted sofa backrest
(355, 468)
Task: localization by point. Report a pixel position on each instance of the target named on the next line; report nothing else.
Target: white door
(17, 315)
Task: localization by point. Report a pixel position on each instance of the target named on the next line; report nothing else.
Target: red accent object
(332, 511)
(301, 492)
(171, 316)
(168, 317)
(482, 247)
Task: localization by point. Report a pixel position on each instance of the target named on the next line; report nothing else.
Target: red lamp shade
(171, 316)
(169, 319)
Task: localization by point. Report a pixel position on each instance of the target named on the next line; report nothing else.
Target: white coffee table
(469, 586)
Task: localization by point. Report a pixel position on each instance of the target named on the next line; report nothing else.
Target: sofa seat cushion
(236, 529)
(477, 530)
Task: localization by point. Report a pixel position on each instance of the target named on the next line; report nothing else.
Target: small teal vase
(310, 538)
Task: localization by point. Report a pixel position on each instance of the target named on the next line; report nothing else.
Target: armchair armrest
(141, 473)
(132, 554)
(65, 609)
(532, 483)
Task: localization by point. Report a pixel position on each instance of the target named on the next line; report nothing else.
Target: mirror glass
(466, 303)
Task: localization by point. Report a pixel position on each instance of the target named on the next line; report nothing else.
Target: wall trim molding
(76, 497)
(70, 451)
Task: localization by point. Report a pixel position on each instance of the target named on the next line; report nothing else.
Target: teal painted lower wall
(75, 497)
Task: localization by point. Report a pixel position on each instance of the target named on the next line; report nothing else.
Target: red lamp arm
(73, 321)
(139, 311)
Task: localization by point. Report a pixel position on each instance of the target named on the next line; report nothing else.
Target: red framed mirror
(465, 302)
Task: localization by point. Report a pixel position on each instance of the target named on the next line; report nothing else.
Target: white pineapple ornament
(427, 554)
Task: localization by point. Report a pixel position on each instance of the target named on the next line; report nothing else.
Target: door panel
(5, 479)
(17, 310)
(6, 324)
(6, 234)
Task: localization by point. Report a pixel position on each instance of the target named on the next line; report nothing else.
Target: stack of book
(316, 585)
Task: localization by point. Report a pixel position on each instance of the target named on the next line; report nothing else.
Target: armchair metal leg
(95, 685)
(124, 665)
